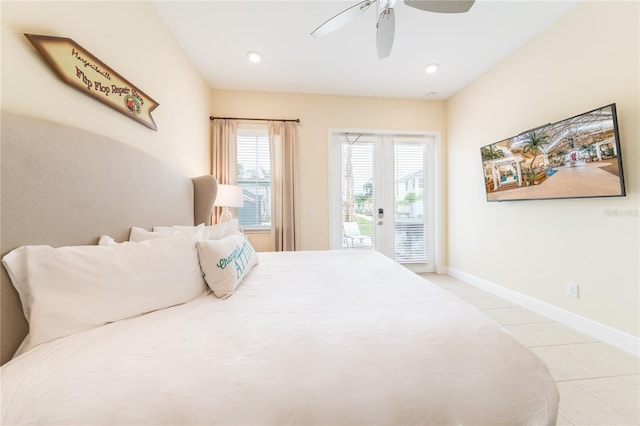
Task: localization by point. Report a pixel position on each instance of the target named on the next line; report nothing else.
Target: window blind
(254, 176)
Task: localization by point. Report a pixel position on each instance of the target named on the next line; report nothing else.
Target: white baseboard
(592, 328)
(442, 270)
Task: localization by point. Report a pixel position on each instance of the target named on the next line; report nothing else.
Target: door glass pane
(409, 202)
(357, 194)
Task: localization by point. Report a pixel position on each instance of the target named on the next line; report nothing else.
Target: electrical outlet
(572, 290)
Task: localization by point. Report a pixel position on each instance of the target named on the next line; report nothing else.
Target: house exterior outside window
(254, 177)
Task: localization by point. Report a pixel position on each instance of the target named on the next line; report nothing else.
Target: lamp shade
(229, 196)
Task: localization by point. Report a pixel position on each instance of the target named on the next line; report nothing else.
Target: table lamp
(228, 196)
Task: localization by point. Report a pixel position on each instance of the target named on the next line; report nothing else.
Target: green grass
(366, 226)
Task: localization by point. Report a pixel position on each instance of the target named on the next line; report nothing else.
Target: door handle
(379, 222)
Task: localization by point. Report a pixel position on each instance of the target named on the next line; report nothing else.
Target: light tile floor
(599, 384)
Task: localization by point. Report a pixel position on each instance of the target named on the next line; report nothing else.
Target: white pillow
(221, 230)
(225, 262)
(106, 240)
(211, 232)
(140, 234)
(69, 289)
(164, 229)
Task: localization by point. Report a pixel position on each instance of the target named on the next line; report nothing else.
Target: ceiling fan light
(254, 56)
(430, 69)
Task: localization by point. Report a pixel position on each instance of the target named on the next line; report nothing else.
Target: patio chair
(352, 234)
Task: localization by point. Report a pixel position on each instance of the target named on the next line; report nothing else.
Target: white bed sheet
(309, 338)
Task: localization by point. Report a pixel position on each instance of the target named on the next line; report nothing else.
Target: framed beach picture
(578, 157)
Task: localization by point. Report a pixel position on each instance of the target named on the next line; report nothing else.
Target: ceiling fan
(385, 27)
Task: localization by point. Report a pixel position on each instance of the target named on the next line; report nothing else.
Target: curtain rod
(296, 120)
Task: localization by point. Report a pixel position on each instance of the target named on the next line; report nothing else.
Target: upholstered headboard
(67, 186)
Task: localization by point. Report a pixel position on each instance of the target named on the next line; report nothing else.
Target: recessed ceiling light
(430, 69)
(254, 57)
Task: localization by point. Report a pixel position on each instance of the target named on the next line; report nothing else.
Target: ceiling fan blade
(441, 6)
(342, 18)
(385, 32)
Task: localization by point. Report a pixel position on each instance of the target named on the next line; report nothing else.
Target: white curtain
(284, 214)
(223, 154)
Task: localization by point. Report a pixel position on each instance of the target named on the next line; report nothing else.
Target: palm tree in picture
(587, 149)
(491, 153)
(560, 154)
(534, 144)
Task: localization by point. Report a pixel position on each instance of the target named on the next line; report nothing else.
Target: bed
(310, 338)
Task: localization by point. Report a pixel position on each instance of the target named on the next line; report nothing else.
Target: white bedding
(308, 338)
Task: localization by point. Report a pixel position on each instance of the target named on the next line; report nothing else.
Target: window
(254, 176)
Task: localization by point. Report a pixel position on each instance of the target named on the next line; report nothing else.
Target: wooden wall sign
(83, 71)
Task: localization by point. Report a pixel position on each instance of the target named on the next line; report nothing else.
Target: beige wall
(130, 38)
(587, 60)
(318, 114)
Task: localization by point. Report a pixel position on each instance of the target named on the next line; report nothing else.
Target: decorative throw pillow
(70, 289)
(225, 262)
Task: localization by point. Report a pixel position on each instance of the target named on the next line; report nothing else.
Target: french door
(382, 192)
